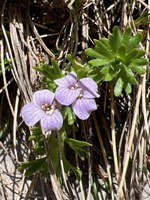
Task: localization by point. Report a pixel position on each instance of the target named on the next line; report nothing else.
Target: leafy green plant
(40, 163)
(118, 60)
(50, 72)
(7, 65)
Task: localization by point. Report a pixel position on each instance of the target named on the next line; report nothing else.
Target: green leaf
(102, 49)
(134, 41)
(122, 51)
(32, 166)
(68, 166)
(140, 53)
(55, 156)
(78, 146)
(56, 68)
(130, 56)
(99, 62)
(126, 36)
(96, 74)
(141, 61)
(51, 72)
(108, 73)
(118, 87)
(68, 113)
(108, 77)
(130, 76)
(115, 39)
(93, 53)
(105, 41)
(81, 70)
(138, 69)
(128, 88)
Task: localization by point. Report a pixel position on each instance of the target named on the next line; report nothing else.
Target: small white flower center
(80, 95)
(48, 109)
(74, 87)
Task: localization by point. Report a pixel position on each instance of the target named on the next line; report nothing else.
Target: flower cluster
(78, 93)
(45, 109)
(45, 106)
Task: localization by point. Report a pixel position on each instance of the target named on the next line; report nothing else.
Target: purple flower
(43, 108)
(78, 93)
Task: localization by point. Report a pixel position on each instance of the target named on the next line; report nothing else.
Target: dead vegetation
(33, 32)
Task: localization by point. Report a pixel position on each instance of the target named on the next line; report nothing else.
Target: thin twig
(131, 138)
(104, 155)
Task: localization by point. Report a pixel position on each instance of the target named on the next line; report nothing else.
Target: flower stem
(55, 185)
(113, 135)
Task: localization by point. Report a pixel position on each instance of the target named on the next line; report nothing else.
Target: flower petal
(89, 87)
(31, 114)
(52, 122)
(67, 81)
(83, 107)
(43, 97)
(66, 96)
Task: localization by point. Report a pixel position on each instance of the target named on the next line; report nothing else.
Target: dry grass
(33, 32)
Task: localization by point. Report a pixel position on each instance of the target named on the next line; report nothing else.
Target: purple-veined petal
(66, 96)
(31, 114)
(52, 122)
(83, 107)
(43, 97)
(89, 88)
(67, 81)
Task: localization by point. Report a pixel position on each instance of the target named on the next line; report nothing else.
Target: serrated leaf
(68, 166)
(118, 87)
(32, 166)
(78, 146)
(98, 62)
(78, 142)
